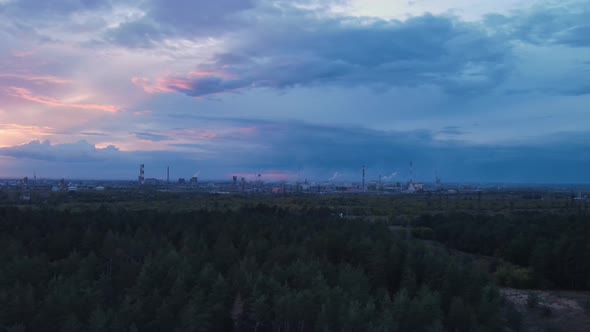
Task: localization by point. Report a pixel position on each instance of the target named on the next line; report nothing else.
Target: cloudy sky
(473, 90)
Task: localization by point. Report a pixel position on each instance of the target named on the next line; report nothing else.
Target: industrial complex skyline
(474, 91)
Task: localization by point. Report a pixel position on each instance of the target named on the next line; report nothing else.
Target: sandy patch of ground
(555, 311)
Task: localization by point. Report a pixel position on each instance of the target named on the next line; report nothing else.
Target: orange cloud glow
(201, 74)
(25, 94)
(12, 134)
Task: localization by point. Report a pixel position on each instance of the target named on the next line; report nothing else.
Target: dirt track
(555, 311)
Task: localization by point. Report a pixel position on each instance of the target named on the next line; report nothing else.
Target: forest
(256, 268)
(554, 248)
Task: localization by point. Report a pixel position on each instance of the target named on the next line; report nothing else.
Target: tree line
(553, 247)
(259, 268)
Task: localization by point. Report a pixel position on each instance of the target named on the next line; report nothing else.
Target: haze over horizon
(476, 91)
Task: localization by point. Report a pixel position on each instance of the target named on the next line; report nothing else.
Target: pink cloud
(12, 133)
(202, 74)
(22, 54)
(159, 85)
(37, 78)
(191, 135)
(195, 134)
(25, 94)
(175, 83)
(21, 128)
(247, 130)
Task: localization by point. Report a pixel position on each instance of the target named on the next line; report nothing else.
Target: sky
(469, 90)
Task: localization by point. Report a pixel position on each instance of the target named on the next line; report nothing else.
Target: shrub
(532, 300)
(424, 233)
(546, 312)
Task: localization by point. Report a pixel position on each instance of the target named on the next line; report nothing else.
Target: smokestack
(363, 177)
(168, 174)
(141, 177)
(411, 172)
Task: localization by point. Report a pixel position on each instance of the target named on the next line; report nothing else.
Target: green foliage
(259, 268)
(424, 233)
(553, 248)
(514, 277)
(17, 328)
(98, 321)
(461, 317)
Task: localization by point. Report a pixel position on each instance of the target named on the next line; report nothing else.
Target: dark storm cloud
(328, 149)
(285, 46)
(211, 85)
(273, 44)
(303, 51)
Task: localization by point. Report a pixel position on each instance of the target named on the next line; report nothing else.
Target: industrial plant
(256, 184)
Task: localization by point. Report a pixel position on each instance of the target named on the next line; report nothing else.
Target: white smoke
(334, 177)
(390, 177)
(197, 174)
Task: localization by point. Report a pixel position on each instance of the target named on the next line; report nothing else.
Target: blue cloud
(51, 8)
(287, 47)
(304, 51)
(151, 137)
(564, 23)
(178, 18)
(322, 150)
(81, 151)
(452, 130)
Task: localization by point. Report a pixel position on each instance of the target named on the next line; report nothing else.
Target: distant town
(258, 185)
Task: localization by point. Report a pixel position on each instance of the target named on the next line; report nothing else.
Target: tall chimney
(363, 177)
(141, 177)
